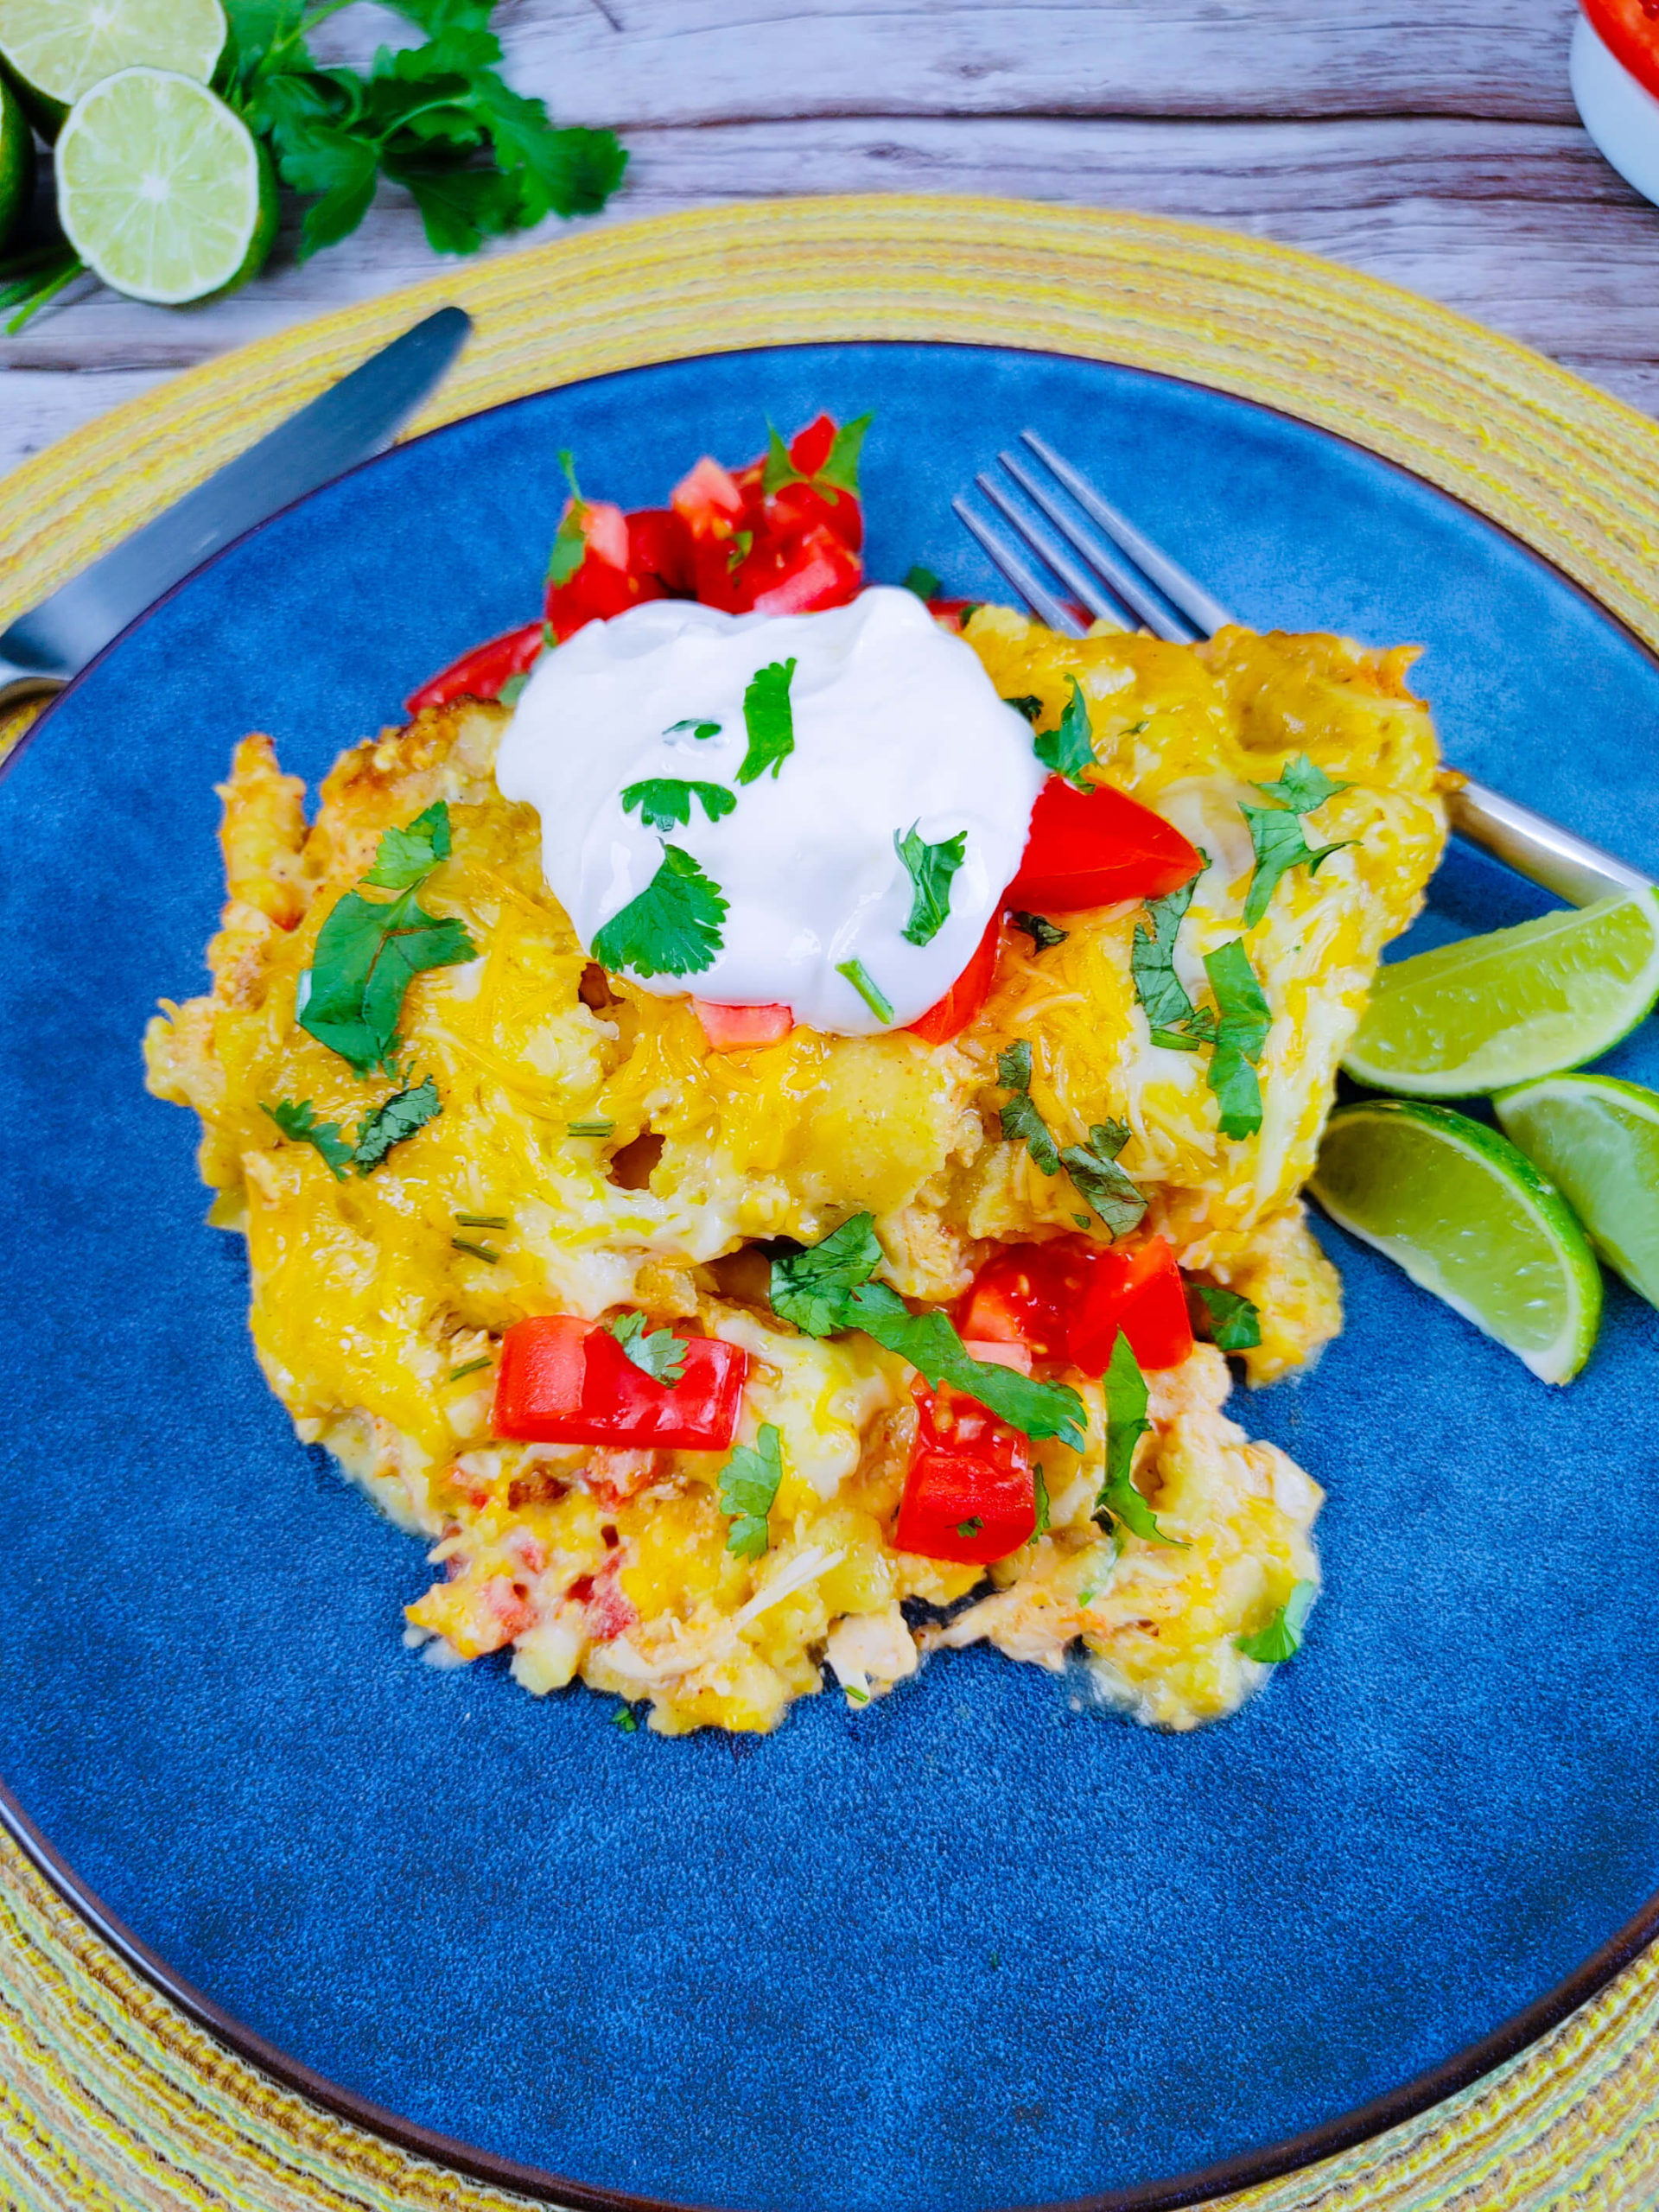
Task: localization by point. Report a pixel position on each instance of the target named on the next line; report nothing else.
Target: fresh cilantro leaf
(342, 168)
(570, 539)
(665, 802)
(1243, 1020)
(1303, 786)
(811, 1287)
(933, 1346)
(827, 1288)
(393, 1120)
(748, 1486)
(741, 545)
(1279, 846)
(1041, 931)
(1234, 1322)
(1069, 749)
(671, 928)
(656, 1352)
(972, 1526)
(1028, 704)
(923, 583)
(1039, 1492)
(366, 956)
(1021, 1122)
(623, 1718)
(460, 207)
(263, 29)
(296, 1120)
(1282, 1638)
(404, 857)
(930, 868)
(866, 986)
(840, 470)
(1152, 961)
(1097, 1177)
(769, 719)
(779, 468)
(697, 728)
(513, 689)
(1120, 1501)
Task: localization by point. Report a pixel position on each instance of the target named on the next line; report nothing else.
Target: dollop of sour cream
(894, 727)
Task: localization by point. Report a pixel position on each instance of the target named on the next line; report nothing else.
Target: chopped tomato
(728, 1028)
(563, 1381)
(708, 501)
(951, 613)
(480, 673)
(1093, 848)
(604, 583)
(968, 1496)
(801, 575)
(1629, 31)
(1068, 1299)
(809, 450)
(659, 547)
(951, 1013)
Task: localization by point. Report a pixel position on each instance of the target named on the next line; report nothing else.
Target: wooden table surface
(1433, 143)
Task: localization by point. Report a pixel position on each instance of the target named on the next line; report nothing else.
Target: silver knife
(351, 420)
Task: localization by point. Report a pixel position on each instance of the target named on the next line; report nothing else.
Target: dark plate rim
(1244, 2170)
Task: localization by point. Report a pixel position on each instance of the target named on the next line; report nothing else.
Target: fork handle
(1539, 849)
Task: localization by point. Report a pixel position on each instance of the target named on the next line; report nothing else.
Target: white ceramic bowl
(1620, 115)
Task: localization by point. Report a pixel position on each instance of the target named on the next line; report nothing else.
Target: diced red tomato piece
(728, 1028)
(949, 614)
(659, 547)
(708, 500)
(1629, 31)
(480, 673)
(951, 1013)
(1068, 1299)
(818, 571)
(810, 448)
(1091, 848)
(795, 510)
(968, 1496)
(564, 1380)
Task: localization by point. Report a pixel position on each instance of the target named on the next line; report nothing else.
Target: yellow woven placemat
(108, 2095)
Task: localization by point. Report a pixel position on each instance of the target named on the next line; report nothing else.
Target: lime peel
(1490, 1011)
(1468, 1218)
(1598, 1140)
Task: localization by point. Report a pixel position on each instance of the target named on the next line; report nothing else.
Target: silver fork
(1117, 573)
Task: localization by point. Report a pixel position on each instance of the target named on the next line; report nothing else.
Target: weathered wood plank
(663, 62)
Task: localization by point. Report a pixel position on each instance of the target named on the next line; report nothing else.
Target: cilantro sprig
(840, 469)
(386, 1125)
(477, 158)
(369, 952)
(769, 719)
(748, 1488)
(664, 802)
(671, 928)
(1277, 836)
(1236, 1028)
(1281, 1637)
(1095, 1175)
(656, 1352)
(1235, 1323)
(931, 868)
(1041, 931)
(1120, 1501)
(827, 1288)
(570, 547)
(1069, 749)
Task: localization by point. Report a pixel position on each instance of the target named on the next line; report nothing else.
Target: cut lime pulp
(1489, 1011)
(59, 49)
(1598, 1140)
(1469, 1218)
(162, 191)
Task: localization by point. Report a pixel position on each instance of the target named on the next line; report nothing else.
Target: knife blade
(348, 422)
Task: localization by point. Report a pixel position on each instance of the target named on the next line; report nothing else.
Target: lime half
(162, 190)
(1469, 1217)
(1598, 1140)
(59, 49)
(1493, 1010)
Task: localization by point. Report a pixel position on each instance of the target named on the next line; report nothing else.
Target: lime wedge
(59, 49)
(1469, 1217)
(16, 162)
(162, 191)
(1598, 1140)
(1489, 1011)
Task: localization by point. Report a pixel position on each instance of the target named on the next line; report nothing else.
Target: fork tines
(1106, 570)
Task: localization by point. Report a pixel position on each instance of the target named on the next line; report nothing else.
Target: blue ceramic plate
(978, 1946)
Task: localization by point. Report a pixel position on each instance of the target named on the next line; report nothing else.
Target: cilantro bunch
(477, 158)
